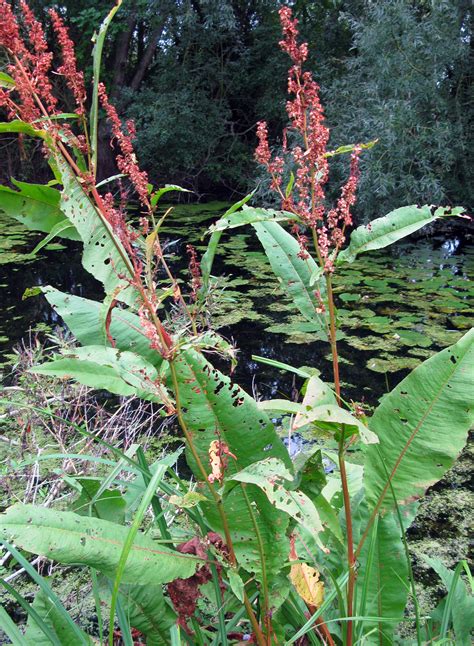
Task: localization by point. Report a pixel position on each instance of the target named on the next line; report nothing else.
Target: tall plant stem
(351, 561)
(218, 501)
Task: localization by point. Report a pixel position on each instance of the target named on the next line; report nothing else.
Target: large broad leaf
(269, 475)
(104, 255)
(84, 318)
(383, 582)
(293, 272)
(71, 539)
(250, 215)
(120, 372)
(215, 408)
(149, 612)
(37, 207)
(422, 425)
(55, 622)
(392, 227)
(335, 416)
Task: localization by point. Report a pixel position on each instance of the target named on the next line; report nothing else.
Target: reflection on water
(397, 307)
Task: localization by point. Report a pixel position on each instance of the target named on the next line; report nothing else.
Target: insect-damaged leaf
(71, 539)
(394, 226)
(268, 476)
(422, 425)
(214, 407)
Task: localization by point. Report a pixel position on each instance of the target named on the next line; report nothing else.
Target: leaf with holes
(422, 426)
(268, 475)
(82, 316)
(120, 372)
(71, 539)
(215, 408)
(398, 224)
(332, 417)
(104, 255)
(37, 207)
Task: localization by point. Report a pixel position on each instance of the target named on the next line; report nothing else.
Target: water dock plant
(281, 551)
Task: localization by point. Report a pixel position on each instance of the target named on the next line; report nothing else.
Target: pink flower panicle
(23, 107)
(309, 157)
(289, 44)
(126, 161)
(340, 217)
(40, 58)
(74, 78)
(195, 271)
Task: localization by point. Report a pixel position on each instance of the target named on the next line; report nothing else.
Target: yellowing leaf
(307, 584)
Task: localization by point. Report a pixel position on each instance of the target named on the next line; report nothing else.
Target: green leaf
(422, 426)
(334, 415)
(10, 629)
(249, 215)
(47, 610)
(59, 229)
(36, 206)
(398, 224)
(267, 475)
(349, 148)
(293, 273)
(282, 366)
(22, 127)
(82, 316)
(120, 372)
(149, 612)
(236, 584)
(214, 407)
(6, 81)
(98, 40)
(109, 506)
(385, 576)
(166, 189)
(104, 255)
(289, 186)
(317, 393)
(281, 406)
(71, 539)
(208, 258)
(462, 603)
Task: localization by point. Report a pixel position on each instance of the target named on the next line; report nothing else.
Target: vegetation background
(196, 75)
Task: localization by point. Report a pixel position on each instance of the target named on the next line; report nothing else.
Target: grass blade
(10, 628)
(41, 581)
(49, 634)
(96, 63)
(144, 504)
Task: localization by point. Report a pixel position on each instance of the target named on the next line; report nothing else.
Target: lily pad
(394, 364)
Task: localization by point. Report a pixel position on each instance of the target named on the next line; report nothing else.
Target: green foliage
(411, 423)
(255, 515)
(73, 539)
(398, 224)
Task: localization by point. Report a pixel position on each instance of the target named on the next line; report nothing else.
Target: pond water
(397, 307)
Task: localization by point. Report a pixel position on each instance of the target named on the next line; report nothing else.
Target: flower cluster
(309, 156)
(74, 78)
(126, 160)
(195, 271)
